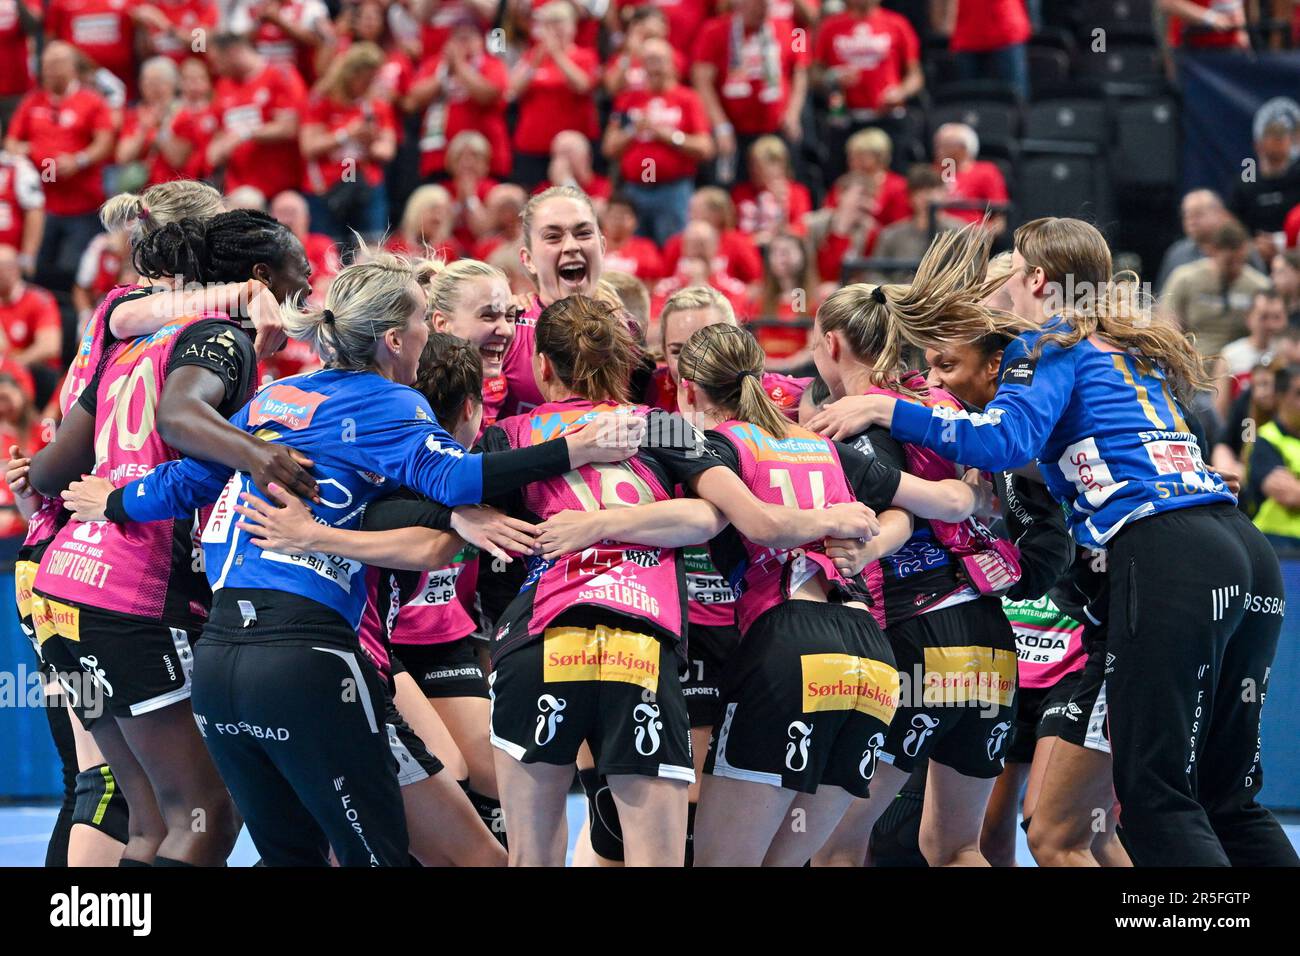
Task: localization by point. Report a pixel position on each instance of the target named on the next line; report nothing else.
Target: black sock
(124, 862)
(168, 861)
(489, 811)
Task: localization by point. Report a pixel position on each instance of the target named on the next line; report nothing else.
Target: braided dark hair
(450, 371)
(221, 249)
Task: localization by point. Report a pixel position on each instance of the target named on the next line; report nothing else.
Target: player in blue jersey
(306, 758)
(1092, 396)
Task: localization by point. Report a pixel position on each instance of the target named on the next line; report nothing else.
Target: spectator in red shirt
(464, 88)
(439, 19)
(659, 135)
(847, 230)
(144, 122)
(956, 147)
(987, 38)
(698, 265)
(683, 18)
(503, 207)
(786, 303)
(869, 152)
(770, 201)
(625, 70)
(258, 105)
(348, 134)
(29, 318)
(468, 158)
(752, 78)
(104, 30)
(105, 264)
(22, 208)
(367, 22)
(183, 140)
(176, 28)
(426, 228)
(553, 84)
(1207, 24)
(625, 251)
(19, 20)
(570, 165)
(290, 33)
(737, 255)
(67, 132)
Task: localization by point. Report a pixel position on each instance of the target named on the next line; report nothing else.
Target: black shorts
(444, 670)
(1085, 723)
(958, 672)
(414, 761)
(806, 700)
(707, 650)
(1040, 712)
(111, 663)
(617, 689)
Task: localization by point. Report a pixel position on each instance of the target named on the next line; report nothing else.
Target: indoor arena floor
(25, 829)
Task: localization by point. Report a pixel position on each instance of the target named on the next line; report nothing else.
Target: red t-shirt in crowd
(245, 106)
(634, 72)
(677, 108)
(737, 256)
(52, 128)
(15, 53)
(759, 210)
(101, 29)
(732, 289)
(160, 171)
(782, 11)
(753, 82)
(684, 17)
(637, 256)
(783, 330)
(100, 269)
(548, 105)
(989, 25)
(327, 170)
(443, 19)
(187, 16)
(196, 125)
(453, 111)
(394, 77)
(597, 187)
(462, 232)
(1207, 39)
(31, 311)
(879, 47)
(979, 180)
(278, 46)
(1291, 226)
(892, 202)
(20, 191)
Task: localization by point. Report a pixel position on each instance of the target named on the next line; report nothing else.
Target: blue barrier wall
(29, 766)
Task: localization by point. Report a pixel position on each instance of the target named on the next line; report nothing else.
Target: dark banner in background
(1221, 92)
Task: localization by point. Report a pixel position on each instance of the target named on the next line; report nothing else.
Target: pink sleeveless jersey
(515, 391)
(990, 564)
(436, 612)
(50, 514)
(634, 581)
(152, 570)
(802, 470)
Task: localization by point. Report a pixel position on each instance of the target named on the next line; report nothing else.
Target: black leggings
(293, 715)
(56, 712)
(1196, 604)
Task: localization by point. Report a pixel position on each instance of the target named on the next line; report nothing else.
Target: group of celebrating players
(385, 611)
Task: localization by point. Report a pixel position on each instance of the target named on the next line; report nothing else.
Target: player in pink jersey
(564, 253)
(158, 393)
(943, 617)
(586, 650)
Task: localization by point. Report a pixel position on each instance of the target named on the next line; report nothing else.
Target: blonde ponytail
(726, 363)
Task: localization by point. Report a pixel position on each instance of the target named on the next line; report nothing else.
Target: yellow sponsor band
(847, 682)
(54, 617)
(962, 675)
(600, 654)
(24, 578)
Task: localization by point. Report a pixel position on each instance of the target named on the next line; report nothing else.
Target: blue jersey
(1108, 434)
(366, 435)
